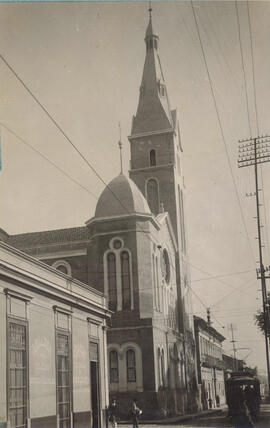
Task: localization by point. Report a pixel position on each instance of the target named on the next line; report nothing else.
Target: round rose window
(117, 244)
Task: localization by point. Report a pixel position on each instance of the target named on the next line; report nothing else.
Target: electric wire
(243, 66)
(223, 275)
(251, 283)
(253, 68)
(78, 152)
(66, 136)
(22, 140)
(257, 115)
(218, 279)
(221, 127)
(30, 92)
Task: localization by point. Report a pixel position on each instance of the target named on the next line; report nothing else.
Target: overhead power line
(68, 139)
(22, 140)
(245, 285)
(210, 276)
(76, 182)
(243, 66)
(222, 276)
(221, 127)
(257, 118)
(60, 129)
(253, 69)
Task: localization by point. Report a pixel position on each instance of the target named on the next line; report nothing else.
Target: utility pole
(234, 348)
(254, 151)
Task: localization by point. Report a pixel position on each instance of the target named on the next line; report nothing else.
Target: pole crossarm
(254, 151)
(248, 147)
(244, 163)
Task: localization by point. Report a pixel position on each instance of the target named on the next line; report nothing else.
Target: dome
(121, 198)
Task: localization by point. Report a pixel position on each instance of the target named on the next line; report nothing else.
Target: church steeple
(151, 40)
(153, 112)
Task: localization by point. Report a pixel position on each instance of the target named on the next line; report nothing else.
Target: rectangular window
(93, 328)
(17, 373)
(63, 378)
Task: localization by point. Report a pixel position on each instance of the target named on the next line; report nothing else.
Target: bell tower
(155, 143)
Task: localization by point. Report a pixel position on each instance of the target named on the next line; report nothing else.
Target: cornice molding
(136, 216)
(152, 168)
(53, 291)
(149, 133)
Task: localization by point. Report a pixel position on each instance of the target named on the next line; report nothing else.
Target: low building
(231, 364)
(209, 364)
(53, 356)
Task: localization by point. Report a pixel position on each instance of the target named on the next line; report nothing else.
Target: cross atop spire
(120, 144)
(150, 10)
(149, 31)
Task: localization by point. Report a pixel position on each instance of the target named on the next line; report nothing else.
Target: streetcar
(243, 395)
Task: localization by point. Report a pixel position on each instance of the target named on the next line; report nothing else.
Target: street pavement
(215, 420)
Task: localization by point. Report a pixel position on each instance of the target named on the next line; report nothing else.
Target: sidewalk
(179, 418)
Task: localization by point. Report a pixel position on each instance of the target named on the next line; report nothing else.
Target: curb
(176, 419)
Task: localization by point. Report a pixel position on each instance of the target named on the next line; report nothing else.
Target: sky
(84, 62)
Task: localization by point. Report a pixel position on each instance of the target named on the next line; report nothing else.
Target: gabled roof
(58, 236)
(165, 217)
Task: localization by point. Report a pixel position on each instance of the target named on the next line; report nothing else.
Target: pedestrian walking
(251, 401)
(135, 413)
(113, 413)
(241, 418)
(210, 401)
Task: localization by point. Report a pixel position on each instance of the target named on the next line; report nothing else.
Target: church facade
(134, 250)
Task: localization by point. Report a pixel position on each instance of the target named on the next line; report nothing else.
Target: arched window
(162, 90)
(166, 265)
(62, 269)
(112, 281)
(125, 271)
(152, 195)
(118, 283)
(113, 363)
(131, 365)
(62, 266)
(152, 156)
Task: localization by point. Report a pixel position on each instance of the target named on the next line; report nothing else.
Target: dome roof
(121, 198)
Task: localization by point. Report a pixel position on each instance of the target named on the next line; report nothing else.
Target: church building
(134, 250)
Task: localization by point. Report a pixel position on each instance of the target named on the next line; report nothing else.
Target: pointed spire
(153, 112)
